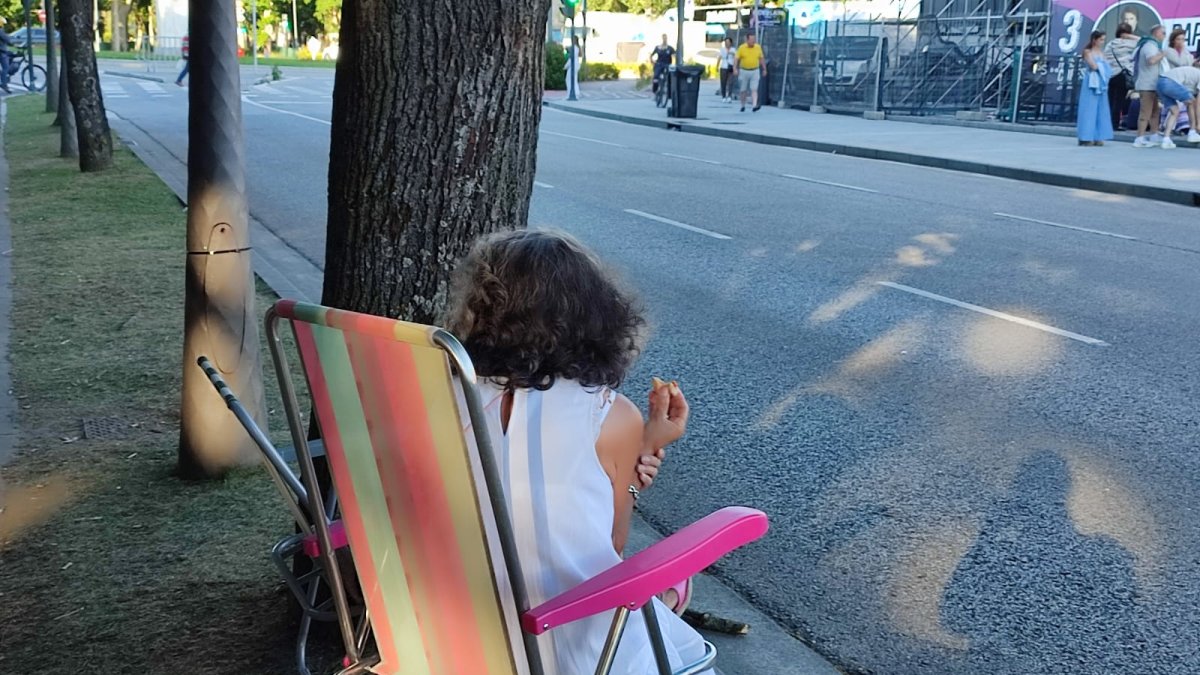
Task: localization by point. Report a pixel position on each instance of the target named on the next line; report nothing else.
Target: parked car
(39, 36)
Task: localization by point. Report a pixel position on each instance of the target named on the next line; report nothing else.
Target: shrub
(598, 71)
(556, 61)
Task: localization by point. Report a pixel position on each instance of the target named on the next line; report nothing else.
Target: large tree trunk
(120, 25)
(95, 141)
(436, 108)
(68, 138)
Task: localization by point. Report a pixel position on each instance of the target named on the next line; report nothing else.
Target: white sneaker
(1155, 139)
(1193, 136)
(1167, 144)
(1142, 142)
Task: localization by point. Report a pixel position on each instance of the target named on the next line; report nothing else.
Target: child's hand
(648, 466)
(668, 416)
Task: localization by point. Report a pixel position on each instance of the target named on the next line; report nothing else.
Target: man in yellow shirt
(749, 65)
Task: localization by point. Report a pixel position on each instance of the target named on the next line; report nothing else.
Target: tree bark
(95, 140)
(436, 107)
(51, 61)
(68, 139)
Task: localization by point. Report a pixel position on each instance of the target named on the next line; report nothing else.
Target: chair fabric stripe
(405, 457)
(464, 511)
(348, 446)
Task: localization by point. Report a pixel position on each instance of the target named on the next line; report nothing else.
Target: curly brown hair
(532, 306)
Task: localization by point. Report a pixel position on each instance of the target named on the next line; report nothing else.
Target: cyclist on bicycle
(5, 56)
(661, 58)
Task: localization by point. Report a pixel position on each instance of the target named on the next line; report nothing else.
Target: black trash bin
(686, 95)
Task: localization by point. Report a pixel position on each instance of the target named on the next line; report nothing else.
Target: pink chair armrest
(337, 536)
(633, 582)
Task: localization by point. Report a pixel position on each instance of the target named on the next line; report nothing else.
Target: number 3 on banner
(1073, 20)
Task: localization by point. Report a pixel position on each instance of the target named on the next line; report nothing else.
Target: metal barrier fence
(996, 64)
(158, 50)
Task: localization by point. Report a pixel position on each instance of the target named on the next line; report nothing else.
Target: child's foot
(678, 597)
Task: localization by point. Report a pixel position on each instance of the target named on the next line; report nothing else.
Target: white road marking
(829, 183)
(152, 87)
(692, 159)
(583, 138)
(993, 313)
(676, 223)
(543, 185)
(1066, 227)
(287, 112)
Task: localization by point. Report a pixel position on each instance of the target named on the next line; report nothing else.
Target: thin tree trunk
(436, 107)
(51, 61)
(120, 25)
(68, 138)
(83, 80)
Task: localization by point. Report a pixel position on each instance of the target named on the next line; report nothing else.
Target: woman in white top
(551, 336)
(725, 61)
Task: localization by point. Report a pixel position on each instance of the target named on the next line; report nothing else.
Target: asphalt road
(976, 434)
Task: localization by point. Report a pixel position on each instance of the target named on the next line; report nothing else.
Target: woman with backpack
(1119, 54)
(1094, 123)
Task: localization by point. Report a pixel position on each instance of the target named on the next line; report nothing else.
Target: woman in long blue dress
(1093, 126)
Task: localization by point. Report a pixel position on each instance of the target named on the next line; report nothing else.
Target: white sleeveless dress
(561, 502)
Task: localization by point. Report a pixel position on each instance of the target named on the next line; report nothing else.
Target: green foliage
(556, 62)
(591, 71)
(656, 7)
(329, 13)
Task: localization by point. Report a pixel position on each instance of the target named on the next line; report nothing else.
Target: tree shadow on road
(1035, 593)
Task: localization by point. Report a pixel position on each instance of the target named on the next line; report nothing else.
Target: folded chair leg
(620, 618)
(661, 660)
(305, 624)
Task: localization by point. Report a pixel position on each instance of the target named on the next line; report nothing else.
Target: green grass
(109, 564)
(297, 63)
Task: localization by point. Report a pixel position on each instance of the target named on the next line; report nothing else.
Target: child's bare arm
(619, 449)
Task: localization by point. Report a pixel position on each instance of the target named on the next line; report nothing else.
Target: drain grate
(101, 428)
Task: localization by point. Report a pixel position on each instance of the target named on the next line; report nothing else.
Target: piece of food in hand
(657, 383)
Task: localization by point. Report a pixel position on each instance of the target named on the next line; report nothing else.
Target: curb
(1169, 195)
(134, 76)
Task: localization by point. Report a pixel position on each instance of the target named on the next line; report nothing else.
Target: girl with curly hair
(552, 336)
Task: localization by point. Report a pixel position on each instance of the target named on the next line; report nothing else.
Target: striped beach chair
(424, 513)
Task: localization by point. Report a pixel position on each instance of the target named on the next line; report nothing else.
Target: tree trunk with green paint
(436, 109)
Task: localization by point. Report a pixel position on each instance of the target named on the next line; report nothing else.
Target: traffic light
(568, 8)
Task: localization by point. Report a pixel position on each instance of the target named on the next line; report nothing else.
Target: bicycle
(33, 76)
(662, 89)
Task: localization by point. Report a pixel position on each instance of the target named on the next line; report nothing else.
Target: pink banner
(1074, 20)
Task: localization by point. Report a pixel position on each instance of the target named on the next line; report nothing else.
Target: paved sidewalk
(1117, 168)
(766, 650)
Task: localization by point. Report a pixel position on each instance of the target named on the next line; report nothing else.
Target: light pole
(295, 28)
(254, 29)
(219, 316)
(679, 33)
